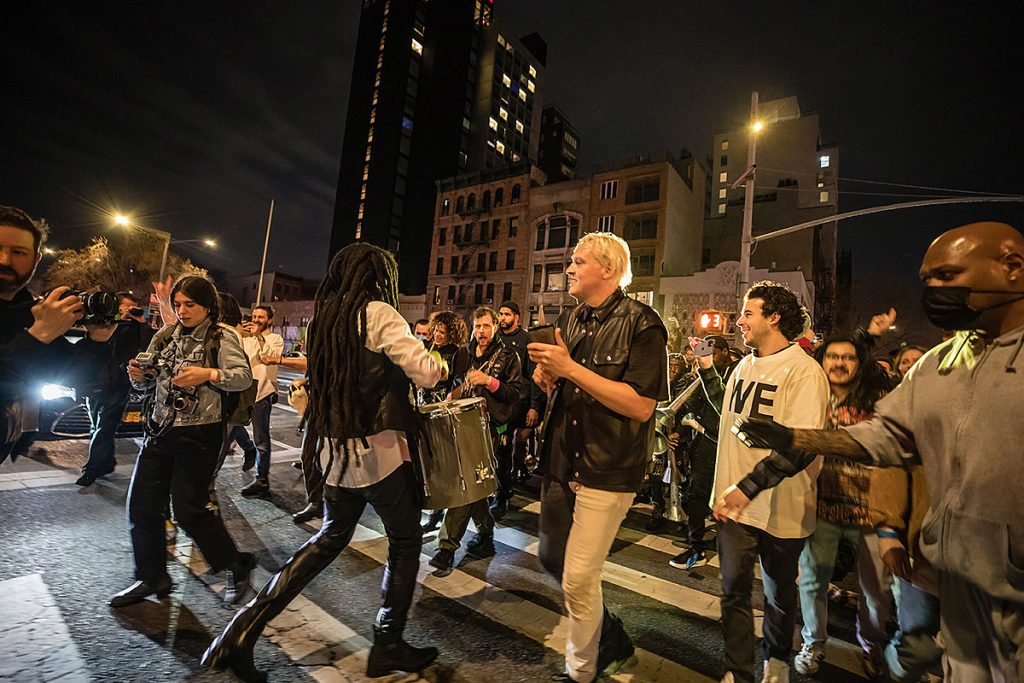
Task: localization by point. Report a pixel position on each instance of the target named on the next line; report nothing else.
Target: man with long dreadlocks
(362, 357)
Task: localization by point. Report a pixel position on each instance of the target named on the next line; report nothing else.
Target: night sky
(192, 116)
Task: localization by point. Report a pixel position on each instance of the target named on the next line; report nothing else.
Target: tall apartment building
(796, 181)
(426, 80)
(559, 145)
(480, 249)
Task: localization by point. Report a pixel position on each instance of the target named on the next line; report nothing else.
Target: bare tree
(132, 267)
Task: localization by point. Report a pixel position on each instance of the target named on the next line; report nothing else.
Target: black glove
(761, 432)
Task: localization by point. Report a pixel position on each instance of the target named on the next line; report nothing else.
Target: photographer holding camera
(108, 394)
(196, 371)
(32, 344)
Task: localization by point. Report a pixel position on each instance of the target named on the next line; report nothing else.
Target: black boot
(233, 649)
(309, 513)
(390, 653)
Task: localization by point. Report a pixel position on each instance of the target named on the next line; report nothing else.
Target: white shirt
(387, 332)
(791, 388)
(267, 344)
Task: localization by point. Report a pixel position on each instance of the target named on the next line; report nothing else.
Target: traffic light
(712, 322)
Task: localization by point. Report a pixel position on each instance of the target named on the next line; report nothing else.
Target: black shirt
(646, 372)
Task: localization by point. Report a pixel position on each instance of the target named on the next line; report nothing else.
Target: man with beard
(958, 413)
(494, 374)
(32, 344)
(259, 342)
(525, 414)
(108, 398)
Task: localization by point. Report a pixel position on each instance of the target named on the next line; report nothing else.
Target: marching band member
(357, 341)
(496, 375)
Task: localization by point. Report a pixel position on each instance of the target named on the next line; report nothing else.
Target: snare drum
(456, 453)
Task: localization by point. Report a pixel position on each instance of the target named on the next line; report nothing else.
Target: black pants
(739, 546)
(177, 466)
(703, 454)
(504, 446)
(312, 473)
(396, 500)
(105, 410)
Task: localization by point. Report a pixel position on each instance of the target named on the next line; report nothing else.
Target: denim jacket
(178, 347)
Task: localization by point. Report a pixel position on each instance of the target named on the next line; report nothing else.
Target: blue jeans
(817, 561)
(261, 435)
(913, 650)
(105, 410)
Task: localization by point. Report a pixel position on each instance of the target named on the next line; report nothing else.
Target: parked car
(64, 415)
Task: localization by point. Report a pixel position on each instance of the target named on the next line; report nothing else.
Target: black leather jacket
(501, 362)
(617, 449)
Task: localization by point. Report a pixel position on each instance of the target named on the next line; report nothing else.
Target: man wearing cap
(705, 406)
(526, 412)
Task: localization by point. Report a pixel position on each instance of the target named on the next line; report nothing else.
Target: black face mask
(947, 307)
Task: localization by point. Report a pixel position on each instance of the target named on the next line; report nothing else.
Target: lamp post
(125, 221)
(746, 240)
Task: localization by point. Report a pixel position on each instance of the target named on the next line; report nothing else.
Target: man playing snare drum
(604, 375)
(495, 374)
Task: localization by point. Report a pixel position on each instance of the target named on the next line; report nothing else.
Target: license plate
(132, 416)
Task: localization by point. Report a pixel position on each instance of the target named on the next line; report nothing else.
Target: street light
(756, 126)
(126, 221)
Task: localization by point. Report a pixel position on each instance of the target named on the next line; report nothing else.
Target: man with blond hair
(604, 375)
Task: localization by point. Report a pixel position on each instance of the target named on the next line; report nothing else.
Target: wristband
(887, 533)
(492, 384)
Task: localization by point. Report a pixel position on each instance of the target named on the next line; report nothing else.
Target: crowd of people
(810, 457)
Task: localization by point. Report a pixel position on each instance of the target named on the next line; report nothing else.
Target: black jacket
(530, 394)
(385, 394)
(617, 449)
(25, 362)
(457, 358)
(500, 362)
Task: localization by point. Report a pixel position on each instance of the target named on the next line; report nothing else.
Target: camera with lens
(151, 364)
(98, 308)
(181, 401)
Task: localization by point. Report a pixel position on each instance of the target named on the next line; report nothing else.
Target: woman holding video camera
(195, 370)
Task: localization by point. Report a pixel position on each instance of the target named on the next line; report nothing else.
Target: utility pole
(746, 240)
(263, 265)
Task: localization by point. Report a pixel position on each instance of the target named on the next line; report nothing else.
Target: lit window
(501, 40)
(500, 146)
(417, 47)
(823, 196)
(515, 157)
(533, 72)
(723, 177)
(505, 80)
(721, 209)
(502, 113)
(721, 193)
(824, 160)
(522, 95)
(492, 123)
(725, 145)
(530, 86)
(519, 126)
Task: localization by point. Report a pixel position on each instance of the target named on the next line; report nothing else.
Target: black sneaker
(249, 460)
(442, 559)
(481, 546)
(237, 578)
(391, 653)
(655, 523)
(433, 521)
(689, 559)
(259, 488)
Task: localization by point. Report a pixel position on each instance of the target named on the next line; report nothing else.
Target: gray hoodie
(960, 413)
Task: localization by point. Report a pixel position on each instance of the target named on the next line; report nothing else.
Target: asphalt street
(64, 550)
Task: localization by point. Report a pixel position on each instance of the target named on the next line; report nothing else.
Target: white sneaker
(808, 660)
(775, 671)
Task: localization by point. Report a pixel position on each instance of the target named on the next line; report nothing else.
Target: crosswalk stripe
(839, 653)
